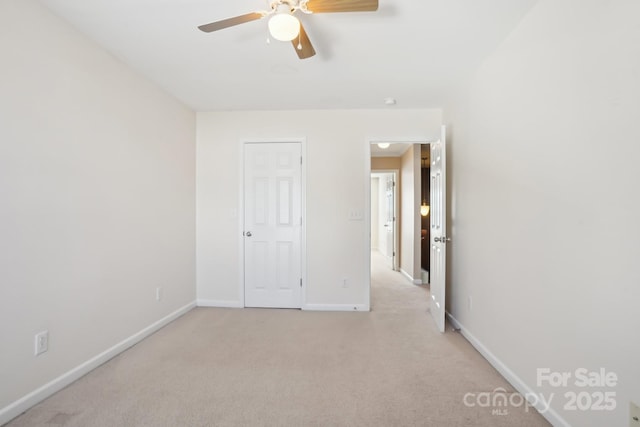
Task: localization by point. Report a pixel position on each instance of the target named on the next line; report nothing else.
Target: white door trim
(303, 184)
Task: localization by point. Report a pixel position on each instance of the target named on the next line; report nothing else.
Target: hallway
(391, 291)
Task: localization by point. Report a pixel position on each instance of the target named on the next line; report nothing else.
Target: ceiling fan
(284, 26)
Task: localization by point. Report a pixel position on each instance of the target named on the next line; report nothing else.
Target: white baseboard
(410, 277)
(307, 307)
(19, 406)
(335, 307)
(424, 275)
(548, 413)
(219, 303)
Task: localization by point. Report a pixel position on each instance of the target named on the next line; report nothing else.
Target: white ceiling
(395, 149)
(411, 50)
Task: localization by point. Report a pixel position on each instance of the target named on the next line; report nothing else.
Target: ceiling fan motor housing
(290, 5)
(281, 5)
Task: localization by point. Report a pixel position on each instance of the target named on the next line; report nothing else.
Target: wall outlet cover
(41, 342)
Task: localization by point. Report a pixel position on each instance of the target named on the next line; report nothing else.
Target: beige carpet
(258, 367)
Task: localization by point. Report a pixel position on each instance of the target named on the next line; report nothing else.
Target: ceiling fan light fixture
(283, 24)
(284, 27)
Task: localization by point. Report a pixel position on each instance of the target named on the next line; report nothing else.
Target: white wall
(410, 224)
(545, 208)
(97, 200)
(337, 182)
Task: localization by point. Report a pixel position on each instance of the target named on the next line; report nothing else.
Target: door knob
(442, 239)
(248, 234)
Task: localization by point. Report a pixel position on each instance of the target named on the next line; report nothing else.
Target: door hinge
(301, 282)
(300, 159)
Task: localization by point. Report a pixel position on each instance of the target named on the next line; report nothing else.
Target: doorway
(416, 215)
(425, 212)
(403, 158)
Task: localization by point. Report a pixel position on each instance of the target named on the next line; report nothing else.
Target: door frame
(396, 204)
(303, 209)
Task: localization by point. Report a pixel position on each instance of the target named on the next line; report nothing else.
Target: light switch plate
(356, 215)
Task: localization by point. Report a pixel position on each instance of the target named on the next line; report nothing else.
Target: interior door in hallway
(390, 217)
(272, 224)
(439, 239)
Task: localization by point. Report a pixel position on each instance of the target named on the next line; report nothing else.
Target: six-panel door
(273, 224)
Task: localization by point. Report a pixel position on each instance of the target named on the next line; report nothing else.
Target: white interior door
(390, 217)
(272, 225)
(438, 230)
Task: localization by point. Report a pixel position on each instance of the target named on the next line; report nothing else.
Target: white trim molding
(548, 413)
(410, 278)
(19, 406)
(335, 307)
(219, 303)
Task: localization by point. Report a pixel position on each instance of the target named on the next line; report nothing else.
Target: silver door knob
(248, 234)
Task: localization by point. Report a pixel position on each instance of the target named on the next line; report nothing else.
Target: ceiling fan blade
(328, 6)
(303, 45)
(230, 22)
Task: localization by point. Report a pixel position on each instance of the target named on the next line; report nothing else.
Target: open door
(439, 238)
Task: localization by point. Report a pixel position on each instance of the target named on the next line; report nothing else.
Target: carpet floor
(263, 367)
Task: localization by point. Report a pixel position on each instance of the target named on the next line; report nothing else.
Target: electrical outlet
(634, 415)
(345, 282)
(42, 342)
(158, 294)
(469, 302)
